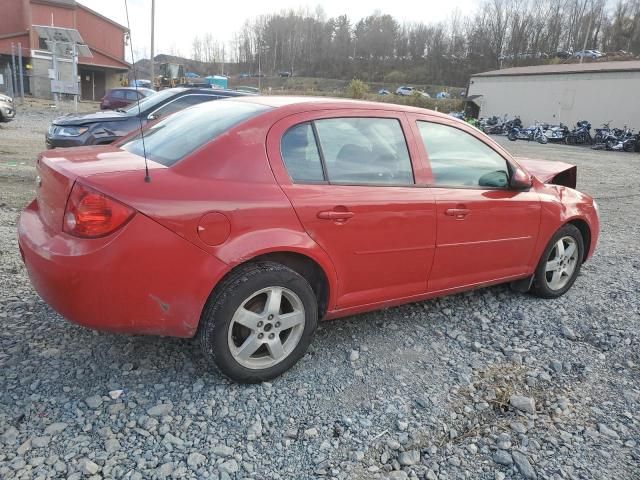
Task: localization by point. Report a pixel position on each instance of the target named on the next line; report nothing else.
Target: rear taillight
(92, 214)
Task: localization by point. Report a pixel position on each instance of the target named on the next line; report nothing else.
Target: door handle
(459, 213)
(335, 215)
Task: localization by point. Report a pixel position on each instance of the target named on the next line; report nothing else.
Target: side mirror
(153, 116)
(497, 179)
(520, 180)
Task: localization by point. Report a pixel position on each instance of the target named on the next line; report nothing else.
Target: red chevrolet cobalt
(261, 216)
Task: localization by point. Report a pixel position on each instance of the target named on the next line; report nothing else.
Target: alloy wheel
(561, 263)
(266, 328)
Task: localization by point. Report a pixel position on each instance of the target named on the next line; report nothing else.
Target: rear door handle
(334, 215)
(459, 213)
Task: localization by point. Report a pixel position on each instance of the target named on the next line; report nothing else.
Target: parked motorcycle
(493, 125)
(534, 132)
(580, 135)
(604, 132)
(510, 124)
(625, 140)
(556, 133)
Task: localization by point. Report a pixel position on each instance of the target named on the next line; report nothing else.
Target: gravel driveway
(489, 384)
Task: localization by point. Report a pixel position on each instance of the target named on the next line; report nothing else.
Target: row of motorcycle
(605, 138)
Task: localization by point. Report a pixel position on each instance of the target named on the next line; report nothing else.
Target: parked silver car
(405, 91)
(7, 108)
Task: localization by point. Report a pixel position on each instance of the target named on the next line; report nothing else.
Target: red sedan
(261, 216)
(121, 97)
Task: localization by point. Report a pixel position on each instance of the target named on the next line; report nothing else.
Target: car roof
(129, 88)
(214, 91)
(296, 104)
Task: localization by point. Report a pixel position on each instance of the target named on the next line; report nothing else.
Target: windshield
(178, 135)
(150, 102)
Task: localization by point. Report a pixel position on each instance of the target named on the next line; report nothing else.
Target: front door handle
(335, 215)
(459, 213)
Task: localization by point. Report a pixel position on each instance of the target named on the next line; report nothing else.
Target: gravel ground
(489, 384)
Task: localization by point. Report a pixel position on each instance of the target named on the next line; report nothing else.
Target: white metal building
(597, 92)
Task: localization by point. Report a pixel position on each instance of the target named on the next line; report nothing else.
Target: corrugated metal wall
(566, 98)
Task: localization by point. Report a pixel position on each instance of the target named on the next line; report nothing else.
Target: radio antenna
(147, 178)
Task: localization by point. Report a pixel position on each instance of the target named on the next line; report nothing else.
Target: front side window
(131, 95)
(176, 136)
(458, 159)
(119, 94)
(300, 154)
(364, 151)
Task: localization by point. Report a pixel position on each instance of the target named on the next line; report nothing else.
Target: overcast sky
(178, 21)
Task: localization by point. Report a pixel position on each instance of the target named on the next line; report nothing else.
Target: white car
(405, 91)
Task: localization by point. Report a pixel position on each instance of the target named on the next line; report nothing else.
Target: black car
(105, 127)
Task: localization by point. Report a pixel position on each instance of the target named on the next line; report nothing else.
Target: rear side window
(182, 103)
(175, 137)
(364, 151)
(354, 151)
(458, 159)
(300, 154)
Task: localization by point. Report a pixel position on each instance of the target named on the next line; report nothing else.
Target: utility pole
(14, 84)
(153, 15)
(222, 64)
(74, 74)
(20, 72)
(54, 61)
(586, 35)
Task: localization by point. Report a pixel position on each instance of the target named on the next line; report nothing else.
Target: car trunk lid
(58, 169)
(556, 173)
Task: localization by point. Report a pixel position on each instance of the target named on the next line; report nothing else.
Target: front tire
(560, 263)
(512, 136)
(258, 322)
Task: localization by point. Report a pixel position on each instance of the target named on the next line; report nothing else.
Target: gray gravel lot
(489, 384)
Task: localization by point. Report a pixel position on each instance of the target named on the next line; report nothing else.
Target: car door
(350, 179)
(117, 98)
(131, 96)
(486, 231)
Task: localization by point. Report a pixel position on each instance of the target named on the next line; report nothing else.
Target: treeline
(499, 33)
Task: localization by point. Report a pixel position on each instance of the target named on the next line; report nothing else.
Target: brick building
(105, 38)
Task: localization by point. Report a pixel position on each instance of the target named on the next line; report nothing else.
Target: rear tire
(258, 322)
(542, 139)
(512, 136)
(559, 267)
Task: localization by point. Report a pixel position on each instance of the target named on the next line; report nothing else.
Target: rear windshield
(178, 135)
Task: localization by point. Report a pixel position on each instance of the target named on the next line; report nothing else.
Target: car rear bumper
(143, 279)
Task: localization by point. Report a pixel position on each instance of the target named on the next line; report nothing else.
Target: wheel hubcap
(561, 263)
(266, 328)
